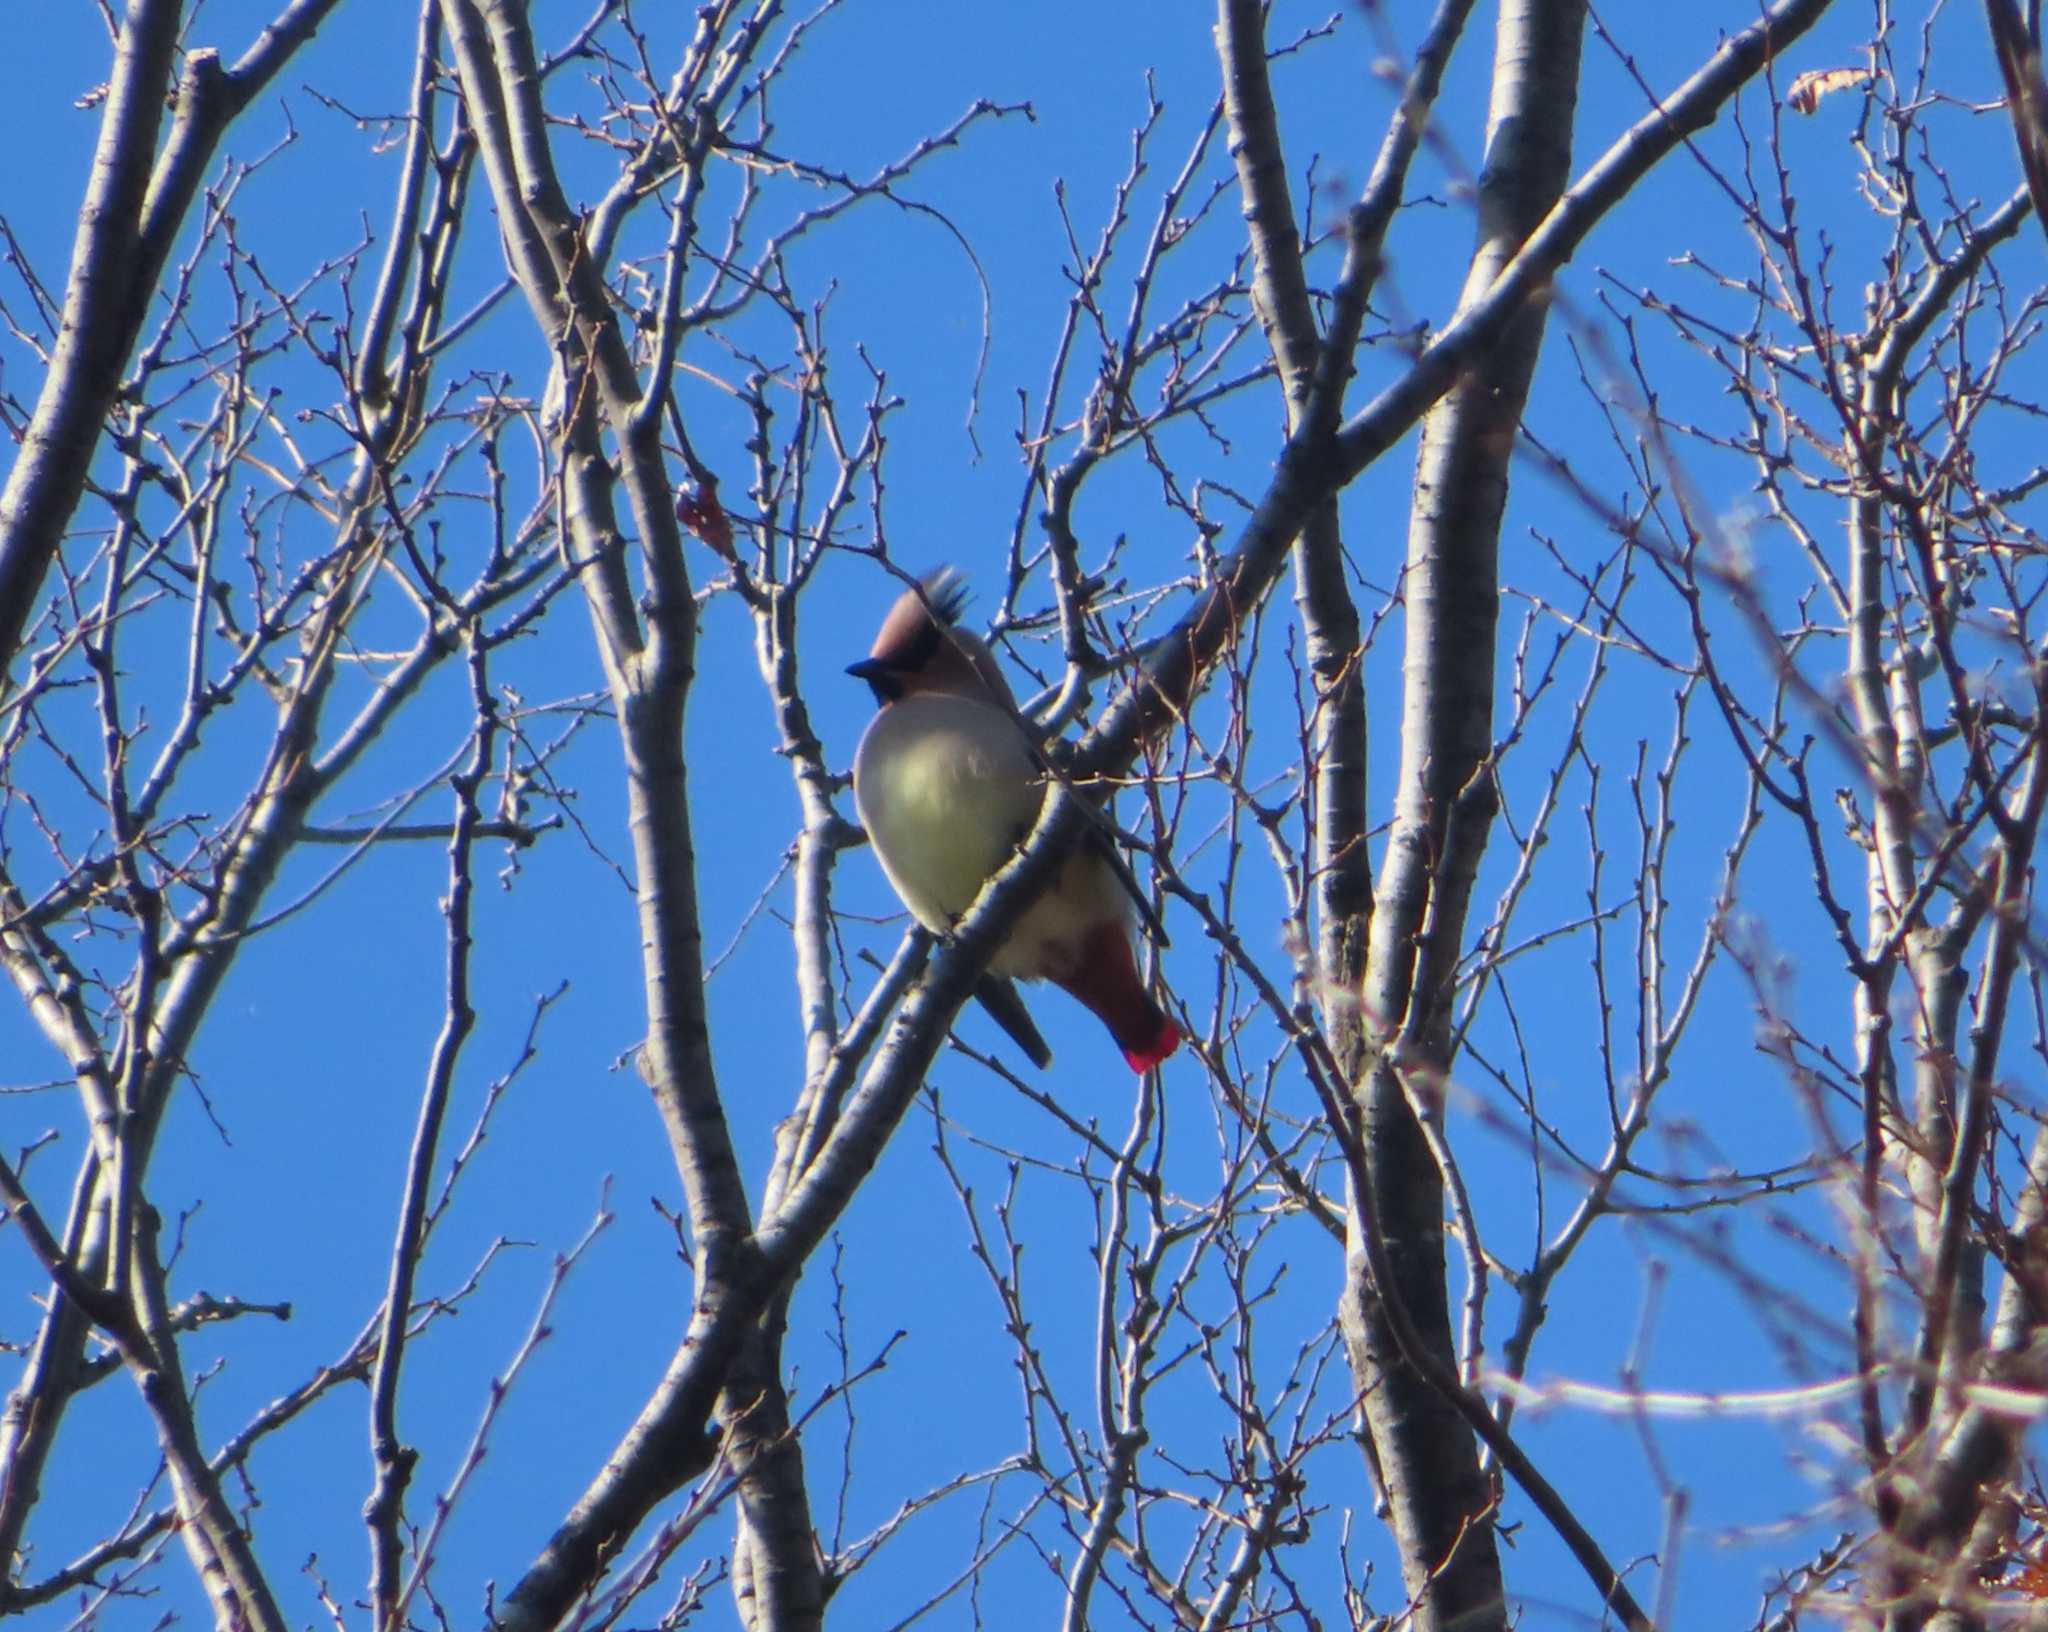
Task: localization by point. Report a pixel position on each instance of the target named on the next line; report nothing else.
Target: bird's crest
(915, 624)
(945, 591)
(923, 648)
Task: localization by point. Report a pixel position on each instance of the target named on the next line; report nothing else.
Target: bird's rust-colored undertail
(1106, 980)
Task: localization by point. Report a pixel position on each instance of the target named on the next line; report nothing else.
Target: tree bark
(1441, 1503)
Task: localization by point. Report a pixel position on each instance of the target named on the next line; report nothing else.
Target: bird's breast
(945, 786)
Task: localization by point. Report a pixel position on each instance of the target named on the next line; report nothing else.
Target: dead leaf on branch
(1809, 88)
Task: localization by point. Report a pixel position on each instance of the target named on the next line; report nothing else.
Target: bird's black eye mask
(924, 646)
(884, 674)
(881, 676)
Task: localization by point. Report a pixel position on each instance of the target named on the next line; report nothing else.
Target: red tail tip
(1104, 976)
(1164, 1041)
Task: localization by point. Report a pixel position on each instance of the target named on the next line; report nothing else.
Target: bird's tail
(1106, 980)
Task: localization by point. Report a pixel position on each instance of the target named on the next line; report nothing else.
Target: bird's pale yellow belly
(946, 787)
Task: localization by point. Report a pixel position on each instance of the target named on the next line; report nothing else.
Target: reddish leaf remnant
(1809, 88)
(698, 509)
(2030, 1581)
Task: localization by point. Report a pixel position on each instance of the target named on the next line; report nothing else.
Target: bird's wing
(1104, 841)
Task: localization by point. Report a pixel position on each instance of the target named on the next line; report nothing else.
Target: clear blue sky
(317, 1046)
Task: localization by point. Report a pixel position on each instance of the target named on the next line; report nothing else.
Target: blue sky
(315, 1052)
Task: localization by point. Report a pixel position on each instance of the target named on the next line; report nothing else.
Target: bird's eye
(922, 649)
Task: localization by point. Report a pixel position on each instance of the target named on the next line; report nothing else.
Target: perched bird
(948, 782)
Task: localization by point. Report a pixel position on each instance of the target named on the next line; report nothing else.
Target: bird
(948, 781)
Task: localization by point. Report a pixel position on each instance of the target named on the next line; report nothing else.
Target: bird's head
(922, 647)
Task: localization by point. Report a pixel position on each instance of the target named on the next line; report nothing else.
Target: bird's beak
(882, 680)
